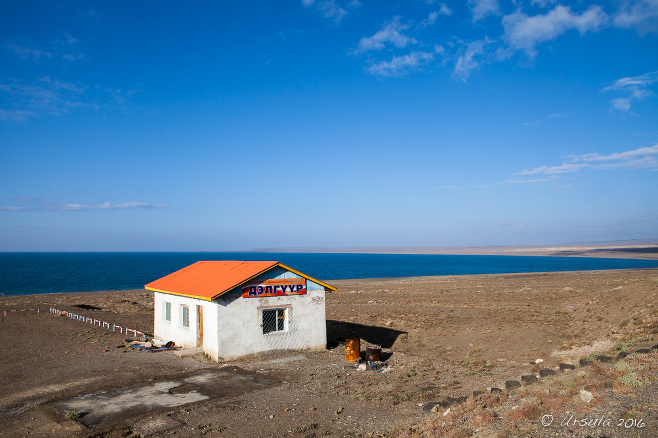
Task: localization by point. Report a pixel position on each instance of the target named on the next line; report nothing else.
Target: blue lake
(32, 273)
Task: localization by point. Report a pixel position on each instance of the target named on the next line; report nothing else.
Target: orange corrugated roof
(208, 280)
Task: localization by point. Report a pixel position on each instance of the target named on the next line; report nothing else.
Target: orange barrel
(352, 350)
(373, 353)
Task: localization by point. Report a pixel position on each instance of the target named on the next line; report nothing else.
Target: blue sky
(184, 126)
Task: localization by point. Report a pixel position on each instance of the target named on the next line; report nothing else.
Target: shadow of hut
(338, 331)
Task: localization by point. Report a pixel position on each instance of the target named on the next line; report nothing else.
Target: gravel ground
(443, 337)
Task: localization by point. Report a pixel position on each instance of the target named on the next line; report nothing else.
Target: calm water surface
(32, 273)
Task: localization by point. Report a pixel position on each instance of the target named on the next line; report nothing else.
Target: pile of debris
(152, 346)
(372, 360)
(378, 366)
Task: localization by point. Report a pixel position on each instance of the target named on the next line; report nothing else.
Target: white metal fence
(103, 324)
(21, 310)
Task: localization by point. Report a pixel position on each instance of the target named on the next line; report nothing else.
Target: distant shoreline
(638, 249)
(646, 250)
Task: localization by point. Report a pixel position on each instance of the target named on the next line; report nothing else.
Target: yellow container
(352, 350)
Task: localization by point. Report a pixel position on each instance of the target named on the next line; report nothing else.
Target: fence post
(93, 321)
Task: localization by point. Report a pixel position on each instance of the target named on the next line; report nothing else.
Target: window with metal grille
(274, 320)
(185, 315)
(167, 311)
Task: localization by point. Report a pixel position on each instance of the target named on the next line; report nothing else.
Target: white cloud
(430, 20)
(533, 23)
(553, 170)
(472, 54)
(444, 10)
(555, 116)
(68, 40)
(391, 33)
(635, 87)
(331, 9)
(550, 116)
(35, 205)
(641, 158)
(530, 181)
(71, 57)
(543, 3)
(524, 32)
(433, 16)
(621, 103)
(16, 115)
(57, 85)
(24, 52)
(401, 65)
(634, 159)
(44, 96)
(548, 178)
(634, 83)
(626, 159)
(103, 206)
(51, 96)
(483, 8)
(642, 15)
(57, 49)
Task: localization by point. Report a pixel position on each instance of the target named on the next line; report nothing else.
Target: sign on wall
(274, 287)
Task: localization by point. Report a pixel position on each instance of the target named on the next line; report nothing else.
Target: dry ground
(443, 336)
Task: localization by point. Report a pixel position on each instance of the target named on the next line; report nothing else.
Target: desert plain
(442, 338)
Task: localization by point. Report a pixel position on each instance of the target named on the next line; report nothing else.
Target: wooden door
(199, 310)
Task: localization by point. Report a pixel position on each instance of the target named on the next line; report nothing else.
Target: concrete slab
(120, 404)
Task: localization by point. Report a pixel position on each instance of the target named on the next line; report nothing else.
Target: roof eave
(321, 283)
(178, 293)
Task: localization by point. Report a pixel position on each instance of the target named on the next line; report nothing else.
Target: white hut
(235, 308)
